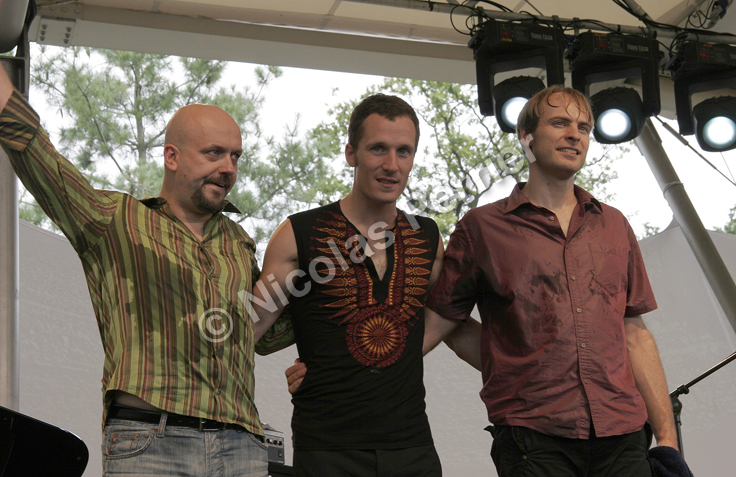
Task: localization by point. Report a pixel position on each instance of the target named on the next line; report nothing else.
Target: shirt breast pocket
(610, 267)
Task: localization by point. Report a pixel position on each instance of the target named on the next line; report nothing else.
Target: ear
(525, 139)
(350, 155)
(171, 157)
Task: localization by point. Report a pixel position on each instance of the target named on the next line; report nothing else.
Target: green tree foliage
(116, 104)
(730, 227)
(650, 230)
(465, 154)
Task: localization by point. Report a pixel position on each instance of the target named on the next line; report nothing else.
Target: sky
(637, 193)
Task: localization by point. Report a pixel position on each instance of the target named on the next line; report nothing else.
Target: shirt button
(552, 218)
(586, 380)
(572, 277)
(579, 310)
(582, 345)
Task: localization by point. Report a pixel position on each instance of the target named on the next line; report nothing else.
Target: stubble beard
(205, 205)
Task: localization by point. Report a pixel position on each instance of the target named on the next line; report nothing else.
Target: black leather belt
(154, 417)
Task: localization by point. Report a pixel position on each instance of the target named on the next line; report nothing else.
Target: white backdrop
(61, 359)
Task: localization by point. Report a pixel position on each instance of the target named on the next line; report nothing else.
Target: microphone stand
(684, 389)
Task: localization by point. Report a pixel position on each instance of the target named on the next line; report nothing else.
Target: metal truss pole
(700, 242)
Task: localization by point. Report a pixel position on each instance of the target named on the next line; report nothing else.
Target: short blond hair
(529, 116)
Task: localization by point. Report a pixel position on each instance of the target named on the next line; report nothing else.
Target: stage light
(510, 96)
(715, 124)
(619, 112)
(703, 68)
(500, 47)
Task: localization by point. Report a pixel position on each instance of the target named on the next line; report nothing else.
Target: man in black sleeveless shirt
(356, 273)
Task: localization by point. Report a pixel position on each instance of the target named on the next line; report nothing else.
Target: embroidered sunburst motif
(377, 338)
(376, 333)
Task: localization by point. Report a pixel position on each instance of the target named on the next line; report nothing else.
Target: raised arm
(273, 289)
(650, 380)
(64, 194)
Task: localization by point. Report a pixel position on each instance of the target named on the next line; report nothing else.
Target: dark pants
(420, 461)
(522, 452)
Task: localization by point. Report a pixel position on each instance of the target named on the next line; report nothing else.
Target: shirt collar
(517, 199)
(158, 202)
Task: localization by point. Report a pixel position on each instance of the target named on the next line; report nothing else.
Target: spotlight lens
(614, 124)
(719, 132)
(511, 110)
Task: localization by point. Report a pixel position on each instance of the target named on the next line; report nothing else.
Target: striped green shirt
(173, 329)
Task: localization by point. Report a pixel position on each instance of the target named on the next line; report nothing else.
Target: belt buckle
(213, 425)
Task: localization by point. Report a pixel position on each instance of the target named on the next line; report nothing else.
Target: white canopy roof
(381, 37)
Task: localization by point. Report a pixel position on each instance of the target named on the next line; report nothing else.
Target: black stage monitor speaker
(29, 447)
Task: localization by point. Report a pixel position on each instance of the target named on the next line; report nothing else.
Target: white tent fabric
(61, 358)
(693, 334)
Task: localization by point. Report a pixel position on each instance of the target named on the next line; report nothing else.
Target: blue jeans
(140, 449)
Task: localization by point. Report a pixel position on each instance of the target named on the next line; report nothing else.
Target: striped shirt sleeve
(64, 194)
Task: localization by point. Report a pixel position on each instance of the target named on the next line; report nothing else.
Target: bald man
(163, 274)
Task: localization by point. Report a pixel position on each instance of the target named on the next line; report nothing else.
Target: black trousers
(522, 452)
(421, 461)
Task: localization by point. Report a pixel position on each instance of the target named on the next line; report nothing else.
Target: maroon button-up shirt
(553, 346)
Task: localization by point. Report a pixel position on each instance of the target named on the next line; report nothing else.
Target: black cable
(666, 26)
(503, 8)
(680, 32)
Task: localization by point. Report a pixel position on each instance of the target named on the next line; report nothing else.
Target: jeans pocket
(124, 443)
(257, 441)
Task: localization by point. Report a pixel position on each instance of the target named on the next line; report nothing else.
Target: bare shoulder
(282, 246)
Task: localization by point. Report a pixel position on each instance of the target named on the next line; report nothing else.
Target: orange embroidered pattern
(376, 332)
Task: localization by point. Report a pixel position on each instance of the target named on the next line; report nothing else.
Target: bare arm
(650, 380)
(465, 342)
(436, 328)
(280, 267)
(462, 338)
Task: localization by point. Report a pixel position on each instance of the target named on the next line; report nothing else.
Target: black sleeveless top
(360, 337)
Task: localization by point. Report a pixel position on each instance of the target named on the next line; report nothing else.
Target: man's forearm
(278, 336)
(651, 382)
(436, 329)
(465, 342)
